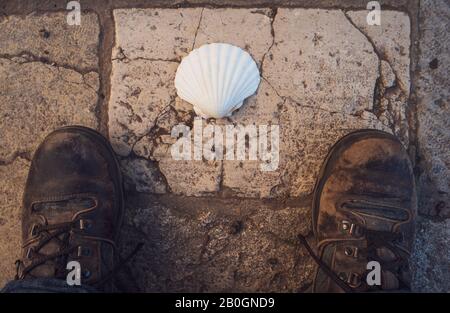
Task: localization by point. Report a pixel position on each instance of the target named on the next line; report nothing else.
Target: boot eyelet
(35, 230)
(354, 280)
(87, 273)
(351, 251)
(85, 224)
(29, 253)
(352, 229)
(345, 226)
(342, 276)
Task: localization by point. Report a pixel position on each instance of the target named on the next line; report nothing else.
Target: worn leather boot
(364, 207)
(72, 208)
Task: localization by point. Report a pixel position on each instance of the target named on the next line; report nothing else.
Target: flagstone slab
(316, 86)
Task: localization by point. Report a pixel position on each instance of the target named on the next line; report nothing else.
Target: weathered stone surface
(143, 176)
(62, 92)
(248, 29)
(313, 62)
(13, 178)
(49, 38)
(306, 61)
(190, 246)
(387, 75)
(391, 42)
(144, 65)
(431, 259)
(155, 33)
(48, 79)
(431, 253)
(306, 134)
(143, 107)
(433, 108)
(140, 92)
(191, 178)
(54, 97)
(316, 91)
(245, 177)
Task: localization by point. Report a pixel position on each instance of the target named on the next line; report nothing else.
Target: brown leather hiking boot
(72, 207)
(363, 210)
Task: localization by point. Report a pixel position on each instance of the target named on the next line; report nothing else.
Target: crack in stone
(376, 102)
(152, 59)
(158, 172)
(221, 176)
(376, 98)
(380, 55)
(356, 114)
(32, 58)
(198, 28)
(25, 155)
(155, 126)
(125, 59)
(163, 178)
(28, 57)
(271, 86)
(380, 91)
(374, 47)
(92, 88)
(285, 98)
(272, 17)
(84, 83)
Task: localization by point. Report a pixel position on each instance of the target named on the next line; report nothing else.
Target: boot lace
(60, 234)
(375, 240)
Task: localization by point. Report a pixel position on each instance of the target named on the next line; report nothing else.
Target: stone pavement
(226, 225)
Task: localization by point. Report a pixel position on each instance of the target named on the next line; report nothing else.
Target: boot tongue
(62, 210)
(73, 204)
(377, 215)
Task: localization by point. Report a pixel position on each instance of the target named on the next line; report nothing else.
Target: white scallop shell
(216, 78)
